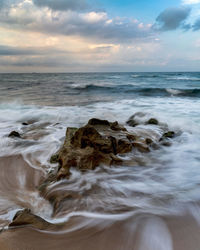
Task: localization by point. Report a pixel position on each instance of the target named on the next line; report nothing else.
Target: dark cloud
(62, 4)
(196, 25)
(172, 18)
(15, 51)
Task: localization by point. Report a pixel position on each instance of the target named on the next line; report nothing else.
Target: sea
(152, 206)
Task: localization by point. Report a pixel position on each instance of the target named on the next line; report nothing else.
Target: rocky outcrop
(99, 142)
(26, 217)
(102, 142)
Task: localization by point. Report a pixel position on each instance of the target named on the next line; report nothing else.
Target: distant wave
(145, 76)
(184, 78)
(129, 89)
(135, 76)
(174, 91)
(167, 92)
(91, 87)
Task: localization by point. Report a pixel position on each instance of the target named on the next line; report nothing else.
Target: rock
(97, 143)
(140, 118)
(116, 127)
(25, 124)
(166, 143)
(131, 137)
(54, 158)
(58, 198)
(141, 147)
(148, 141)
(88, 136)
(14, 134)
(132, 123)
(26, 217)
(95, 121)
(166, 136)
(152, 121)
(169, 134)
(124, 146)
(101, 142)
(133, 120)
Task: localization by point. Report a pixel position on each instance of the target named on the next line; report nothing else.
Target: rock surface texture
(103, 142)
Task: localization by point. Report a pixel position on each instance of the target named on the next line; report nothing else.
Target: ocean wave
(132, 89)
(184, 78)
(174, 91)
(135, 76)
(90, 86)
(169, 91)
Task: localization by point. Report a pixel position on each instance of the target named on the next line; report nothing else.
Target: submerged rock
(169, 134)
(134, 120)
(141, 118)
(152, 121)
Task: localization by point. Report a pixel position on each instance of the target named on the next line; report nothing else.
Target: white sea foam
(138, 189)
(174, 91)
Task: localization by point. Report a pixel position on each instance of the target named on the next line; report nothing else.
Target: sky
(99, 35)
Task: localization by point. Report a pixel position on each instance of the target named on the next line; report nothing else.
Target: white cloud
(191, 1)
(24, 15)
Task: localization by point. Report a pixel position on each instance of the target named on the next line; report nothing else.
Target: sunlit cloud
(96, 25)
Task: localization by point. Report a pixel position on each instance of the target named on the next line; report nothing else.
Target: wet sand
(19, 181)
(144, 233)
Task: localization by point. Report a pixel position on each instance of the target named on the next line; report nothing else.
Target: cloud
(2, 3)
(96, 25)
(30, 51)
(9, 50)
(172, 18)
(62, 4)
(190, 2)
(196, 25)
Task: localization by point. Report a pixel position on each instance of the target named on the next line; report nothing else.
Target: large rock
(102, 142)
(26, 217)
(98, 142)
(87, 147)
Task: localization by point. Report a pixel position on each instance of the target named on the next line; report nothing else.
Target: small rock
(24, 123)
(141, 147)
(131, 137)
(169, 134)
(166, 143)
(152, 121)
(14, 134)
(116, 127)
(95, 121)
(132, 123)
(54, 158)
(148, 141)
